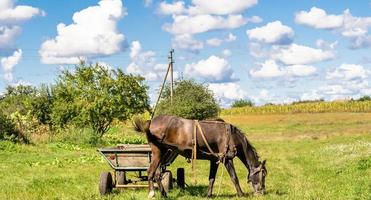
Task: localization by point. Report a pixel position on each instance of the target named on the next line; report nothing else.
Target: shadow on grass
(194, 191)
(200, 191)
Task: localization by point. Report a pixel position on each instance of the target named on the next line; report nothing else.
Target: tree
(242, 103)
(93, 96)
(17, 99)
(191, 100)
(41, 106)
(365, 98)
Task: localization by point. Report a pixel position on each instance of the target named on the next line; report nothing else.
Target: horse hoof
(151, 194)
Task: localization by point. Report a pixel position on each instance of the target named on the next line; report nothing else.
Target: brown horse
(216, 141)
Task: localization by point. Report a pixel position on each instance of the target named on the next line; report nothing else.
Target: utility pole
(169, 68)
(171, 61)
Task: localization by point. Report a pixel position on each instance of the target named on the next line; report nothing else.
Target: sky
(268, 51)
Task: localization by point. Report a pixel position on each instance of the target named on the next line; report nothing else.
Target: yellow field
(317, 107)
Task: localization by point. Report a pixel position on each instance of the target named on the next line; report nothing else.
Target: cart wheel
(167, 180)
(120, 178)
(105, 183)
(180, 178)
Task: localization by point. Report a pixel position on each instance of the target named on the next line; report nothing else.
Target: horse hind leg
(232, 173)
(212, 174)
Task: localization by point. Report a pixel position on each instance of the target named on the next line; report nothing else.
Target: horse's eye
(255, 180)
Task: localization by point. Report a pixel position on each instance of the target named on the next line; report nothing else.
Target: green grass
(309, 156)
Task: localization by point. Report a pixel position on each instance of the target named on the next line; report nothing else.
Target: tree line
(92, 96)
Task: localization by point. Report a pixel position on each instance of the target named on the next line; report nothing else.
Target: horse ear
(263, 163)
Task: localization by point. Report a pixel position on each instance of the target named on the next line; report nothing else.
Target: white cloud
(272, 33)
(227, 92)
(220, 7)
(10, 14)
(144, 63)
(135, 49)
(356, 29)
(226, 53)
(344, 82)
(213, 69)
(300, 70)
(231, 38)
(214, 42)
(255, 19)
(349, 72)
(318, 18)
(258, 50)
(295, 54)
(185, 24)
(8, 64)
(171, 8)
(8, 34)
(265, 96)
(83, 38)
(353, 28)
(336, 92)
(312, 95)
(201, 7)
(202, 16)
(320, 43)
(187, 41)
(270, 69)
(10, 18)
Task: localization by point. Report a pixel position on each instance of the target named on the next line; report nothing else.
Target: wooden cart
(134, 158)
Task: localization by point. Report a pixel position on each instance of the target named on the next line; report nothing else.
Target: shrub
(8, 130)
(191, 100)
(242, 103)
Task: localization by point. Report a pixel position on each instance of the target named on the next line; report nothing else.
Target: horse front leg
(212, 173)
(155, 163)
(158, 178)
(232, 173)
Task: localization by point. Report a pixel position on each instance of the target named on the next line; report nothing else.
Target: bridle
(261, 172)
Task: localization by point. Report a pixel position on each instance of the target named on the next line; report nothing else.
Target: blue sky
(263, 50)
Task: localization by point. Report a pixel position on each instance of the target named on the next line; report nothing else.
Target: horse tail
(141, 126)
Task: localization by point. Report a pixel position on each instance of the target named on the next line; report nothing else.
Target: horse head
(257, 178)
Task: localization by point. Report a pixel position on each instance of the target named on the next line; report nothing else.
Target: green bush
(18, 104)
(242, 103)
(8, 130)
(191, 100)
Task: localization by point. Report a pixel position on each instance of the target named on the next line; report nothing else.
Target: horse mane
(248, 144)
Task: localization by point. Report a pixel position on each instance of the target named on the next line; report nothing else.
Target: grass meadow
(309, 156)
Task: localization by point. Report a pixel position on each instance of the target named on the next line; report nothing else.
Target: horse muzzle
(259, 193)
